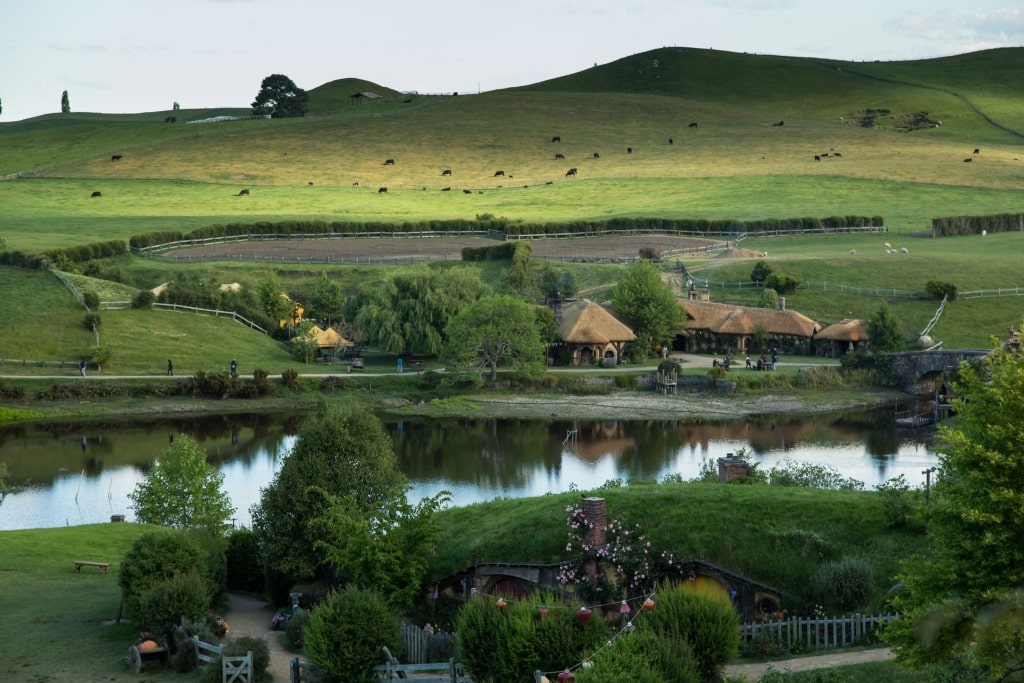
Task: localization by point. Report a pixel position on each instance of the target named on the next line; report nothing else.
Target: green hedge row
(77, 254)
(502, 251)
(951, 226)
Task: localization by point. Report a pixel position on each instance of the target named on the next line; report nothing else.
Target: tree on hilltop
(280, 97)
(65, 103)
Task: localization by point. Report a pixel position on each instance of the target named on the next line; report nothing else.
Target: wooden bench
(358, 364)
(83, 563)
(418, 365)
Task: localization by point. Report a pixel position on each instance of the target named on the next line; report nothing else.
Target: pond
(81, 473)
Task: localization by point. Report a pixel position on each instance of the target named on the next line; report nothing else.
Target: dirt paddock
(436, 248)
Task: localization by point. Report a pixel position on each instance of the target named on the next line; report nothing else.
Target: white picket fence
(816, 633)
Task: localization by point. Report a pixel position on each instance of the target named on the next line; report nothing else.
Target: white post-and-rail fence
(121, 305)
(816, 633)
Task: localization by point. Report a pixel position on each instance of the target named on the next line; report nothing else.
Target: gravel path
(249, 616)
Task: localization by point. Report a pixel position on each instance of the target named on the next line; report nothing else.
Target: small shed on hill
(845, 335)
(590, 333)
(364, 97)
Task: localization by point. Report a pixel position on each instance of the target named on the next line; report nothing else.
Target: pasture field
(875, 128)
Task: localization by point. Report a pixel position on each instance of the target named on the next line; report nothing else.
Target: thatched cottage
(845, 335)
(589, 333)
(714, 326)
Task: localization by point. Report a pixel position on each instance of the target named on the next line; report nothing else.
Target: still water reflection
(82, 473)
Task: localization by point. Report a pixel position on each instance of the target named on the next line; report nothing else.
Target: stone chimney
(731, 467)
(782, 303)
(705, 295)
(596, 511)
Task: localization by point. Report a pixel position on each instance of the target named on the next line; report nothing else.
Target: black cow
(557, 138)
(817, 158)
(243, 193)
(381, 190)
(968, 160)
(467, 192)
(446, 189)
(693, 124)
(355, 184)
(559, 155)
(670, 141)
(118, 157)
(446, 171)
(571, 171)
(96, 193)
(310, 183)
(389, 162)
(498, 173)
(171, 119)
(977, 151)
(836, 154)
(596, 155)
(629, 150)
(779, 123)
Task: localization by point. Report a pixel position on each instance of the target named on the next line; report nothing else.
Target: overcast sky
(117, 56)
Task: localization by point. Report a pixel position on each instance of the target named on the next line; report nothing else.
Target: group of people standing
(763, 363)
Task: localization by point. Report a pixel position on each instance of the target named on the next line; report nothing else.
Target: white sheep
(904, 250)
(853, 252)
(984, 232)
(888, 246)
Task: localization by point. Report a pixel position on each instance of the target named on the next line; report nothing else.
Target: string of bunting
(583, 614)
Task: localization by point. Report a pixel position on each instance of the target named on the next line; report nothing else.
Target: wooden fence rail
(121, 305)
(826, 632)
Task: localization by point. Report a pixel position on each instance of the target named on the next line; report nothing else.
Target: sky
(129, 56)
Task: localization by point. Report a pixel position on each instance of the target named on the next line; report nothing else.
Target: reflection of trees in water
(486, 453)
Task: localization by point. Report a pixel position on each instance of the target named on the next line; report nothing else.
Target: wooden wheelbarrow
(148, 649)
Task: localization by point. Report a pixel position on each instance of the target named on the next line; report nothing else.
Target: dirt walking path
(751, 672)
(249, 616)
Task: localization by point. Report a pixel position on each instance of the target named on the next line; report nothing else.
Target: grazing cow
(693, 124)
(571, 171)
(446, 189)
(310, 183)
(557, 138)
(467, 192)
(670, 141)
(117, 157)
(559, 155)
(836, 154)
(629, 150)
(381, 190)
(499, 173)
(243, 192)
(96, 193)
(779, 123)
(817, 157)
(596, 155)
(389, 162)
(977, 151)
(968, 160)
(446, 171)
(355, 184)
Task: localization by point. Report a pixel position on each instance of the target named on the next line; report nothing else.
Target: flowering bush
(624, 567)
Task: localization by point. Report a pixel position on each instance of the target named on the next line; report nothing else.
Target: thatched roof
(846, 331)
(587, 322)
(329, 338)
(743, 320)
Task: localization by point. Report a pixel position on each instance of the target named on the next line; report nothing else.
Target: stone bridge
(915, 372)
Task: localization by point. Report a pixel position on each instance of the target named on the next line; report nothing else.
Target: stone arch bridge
(915, 372)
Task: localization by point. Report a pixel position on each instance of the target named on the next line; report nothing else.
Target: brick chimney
(596, 512)
(731, 467)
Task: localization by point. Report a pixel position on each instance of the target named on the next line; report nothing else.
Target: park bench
(358, 364)
(83, 563)
(417, 365)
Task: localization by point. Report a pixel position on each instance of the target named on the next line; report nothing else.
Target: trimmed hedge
(951, 226)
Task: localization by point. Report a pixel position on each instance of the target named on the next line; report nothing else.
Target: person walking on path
(81, 367)
(234, 368)
(399, 365)
(170, 368)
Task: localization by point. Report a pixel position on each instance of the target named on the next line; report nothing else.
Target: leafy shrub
(899, 500)
(244, 562)
(91, 320)
(781, 283)
(845, 585)
(91, 300)
(812, 475)
(509, 644)
(625, 381)
(708, 624)
(182, 595)
(291, 379)
(760, 272)
(345, 635)
(144, 299)
(152, 558)
(642, 656)
(295, 629)
(937, 290)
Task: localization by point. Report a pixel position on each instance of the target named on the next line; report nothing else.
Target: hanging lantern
(624, 608)
(588, 663)
(500, 604)
(628, 628)
(566, 676)
(583, 615)
(542, 611)
(649, 604)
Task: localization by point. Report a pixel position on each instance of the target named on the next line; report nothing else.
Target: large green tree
(65, 103)
(342, 457)
(498, 330)
(280, 97)
(646, 303)
(272, 297)
(410, 311)
(183, 490)
(884, 330)
(328, 299)
(961, 599)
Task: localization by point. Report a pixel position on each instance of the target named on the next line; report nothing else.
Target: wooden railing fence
(121, 305)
